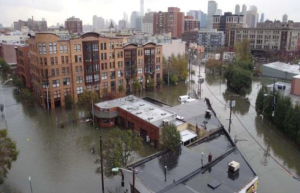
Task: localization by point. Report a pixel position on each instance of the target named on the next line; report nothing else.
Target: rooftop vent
(129, 108)
(151, 109)
(142, 104)
(163, 113)
(150, 118)
(138, 113)
(233, 167)
(166, 122)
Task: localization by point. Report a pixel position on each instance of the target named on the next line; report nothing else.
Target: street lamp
(29, 179)
(130, 171)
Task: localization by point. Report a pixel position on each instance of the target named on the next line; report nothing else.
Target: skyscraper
(219, 12)
(285, 18)
(262, 17)
(211, 10)
(98, 22)
(237, 9)
(244, 9)
(199, 15)
(142, 8)
(251, 17)
(133, 18)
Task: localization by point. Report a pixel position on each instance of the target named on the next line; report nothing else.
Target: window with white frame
(54, 48)
(89, 87)
(56, 94)
(66, 81)
(157, 67)
(79, 79)
(120, 73)
(79, 90)
(50, 48)
(97, 87)
(61, 49)
(44, 48)
(140, 71)
(96, 77)
(55, 83)
(89, 78)
(75, 47)
(79, 48)
(40, 48)
(66, 49)
(104, 76)
(140, 79)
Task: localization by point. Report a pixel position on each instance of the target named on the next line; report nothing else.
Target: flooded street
(59, 159)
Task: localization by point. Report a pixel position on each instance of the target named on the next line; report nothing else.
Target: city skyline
(57, 11)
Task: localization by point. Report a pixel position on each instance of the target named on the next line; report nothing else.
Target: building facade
(190, 36)
(284, 39)
(191, 24)
(169, 22)
(148, 23)
(90, 62)
(31, 24)
(211, 39)
(211, 11)
(198, 15)
(226, 21)
(23, 64)
(74, 25)
(98, 22)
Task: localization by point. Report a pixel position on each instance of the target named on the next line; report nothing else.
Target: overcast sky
(57, 11)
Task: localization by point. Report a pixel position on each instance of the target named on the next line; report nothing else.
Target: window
(66, 81)
(57, 72)
(56, 94)
(105, 85)
(101, 45)
(76, 59)
(54, 48)
(158, 60)
(140, 79)
(63, 70)
(97, 87)
(45, 84)
(112, 75)
(75, 48)
(55, 83)
(52, 72)
(112, 84)
(102, 66)
(41, 61)
(61, 49)
(157, 67)
(76, 68)
(120, 73)
(79, 90)
(45, 61)
(67, 59)
(101, 56)
(89, 87)
(120, 82)
(79, 59)
(79, 47)
(105, 56)
(44, 48)
(104, 46)
(79, 79)
(89, 78)
(62, 59)
(95, 47)
(67, 91)
(104, 76)
(56, 60)
(66, 49)
(96, 68)
(67, 70)
(89, 68)
(120, 64)
(96, 77)
(40, 48)
(52, 61)
(50, 48)
(140, 71)
(80, 68)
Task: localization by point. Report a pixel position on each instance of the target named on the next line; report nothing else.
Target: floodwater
(59, 159)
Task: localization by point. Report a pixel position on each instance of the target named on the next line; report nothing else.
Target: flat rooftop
(140, 108)
(284, 67)
(194, 113)
(187, 173)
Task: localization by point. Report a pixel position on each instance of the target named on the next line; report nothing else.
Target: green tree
(121, 88)
(136, 85)
(8, 154)
(28, 96)
(243, 51)
(292, 122)
(283, 104)
(170, 137)
(259, 103)
(119, 150)
(150, 84)
(86, 99)
(17, 82)
(213, 65)
(4, 66)
(238, 78)
(173, 79)
(69, 101)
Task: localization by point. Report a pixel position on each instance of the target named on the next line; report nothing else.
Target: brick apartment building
(23, 64)
(8, 53)
(191, 24)
(73, 25)
(89, 62)
(169, 22)
(226, 21)
(31, 24)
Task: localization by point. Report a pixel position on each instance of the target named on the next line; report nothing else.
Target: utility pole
(101, 159)
(93, 111)
(168, 71)
(231, 104)
(273, 98)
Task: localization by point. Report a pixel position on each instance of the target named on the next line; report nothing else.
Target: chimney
(209, 157)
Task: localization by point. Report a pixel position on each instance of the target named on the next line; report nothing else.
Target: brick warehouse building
(23, 64)
(89, 62)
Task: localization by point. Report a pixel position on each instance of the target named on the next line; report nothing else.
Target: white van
(183, 98)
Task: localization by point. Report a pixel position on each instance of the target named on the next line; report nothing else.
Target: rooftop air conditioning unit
(165, 122)
(233, 167)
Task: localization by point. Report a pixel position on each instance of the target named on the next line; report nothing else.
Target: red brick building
(191, 24)
(134, 113)
(169, 22)
(23, 64)
(74, 25)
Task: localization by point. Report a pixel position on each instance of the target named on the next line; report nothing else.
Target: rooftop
(294, 69)
(187, 173)
(140, 108)
(194, 113)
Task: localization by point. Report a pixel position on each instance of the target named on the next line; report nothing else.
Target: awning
(187, 135)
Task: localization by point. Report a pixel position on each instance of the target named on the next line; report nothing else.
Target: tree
(136, 85)
(173, 79)
(259, 103)
(121, 88)
(150, 84)
(243, 51)
(17, 82)
(170, 137)
(4, 66)
(238, 78)
(69, 101)
(119, 149)
(283, 104)
(213, 64)
(86, 99)
(8, 154)
(28, 96)
(292, 122)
